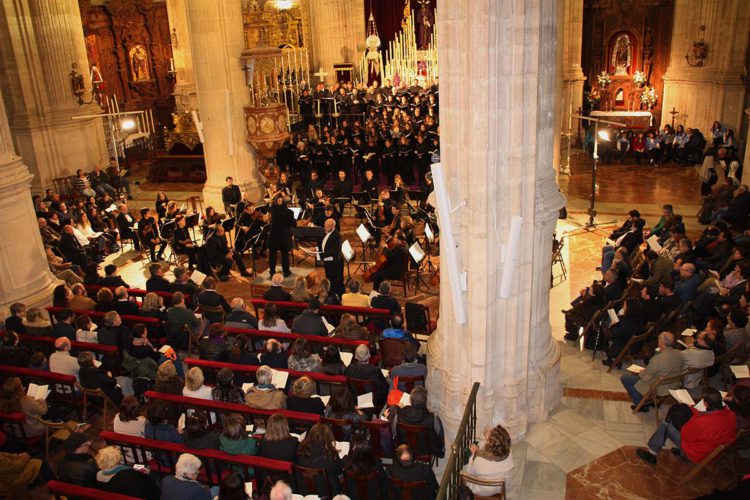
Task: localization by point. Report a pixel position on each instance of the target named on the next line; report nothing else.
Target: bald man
(330, 254)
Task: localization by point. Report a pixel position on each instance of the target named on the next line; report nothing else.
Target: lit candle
(171, 64)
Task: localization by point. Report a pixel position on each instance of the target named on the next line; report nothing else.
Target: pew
(346, 345)
(60, 490)
(62, 386)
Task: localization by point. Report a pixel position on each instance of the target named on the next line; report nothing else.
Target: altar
(632, 119)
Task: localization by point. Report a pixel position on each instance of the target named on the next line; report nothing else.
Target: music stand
(255, 242)
(348, 253)
(228, 225)
(416, 253)
(364, 237)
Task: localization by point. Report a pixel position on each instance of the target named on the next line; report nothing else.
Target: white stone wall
(338, 34)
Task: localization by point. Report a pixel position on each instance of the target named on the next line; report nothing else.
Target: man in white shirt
(330, 254)
(61, 361)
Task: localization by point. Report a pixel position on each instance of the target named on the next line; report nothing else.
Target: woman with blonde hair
(123, 479)
(37, 322)
(194, 386)
(349, 329)
(492, 462)
(153, 306)
(104, 300)
(300, 292)
(302, 397)
(167, 380)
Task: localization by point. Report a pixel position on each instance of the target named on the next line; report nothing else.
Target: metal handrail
(459, 455)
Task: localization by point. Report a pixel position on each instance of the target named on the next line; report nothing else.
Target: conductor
(330, 254)
(280, 235)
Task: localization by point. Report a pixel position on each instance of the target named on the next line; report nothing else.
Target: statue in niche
(139, 67)
(622, 54)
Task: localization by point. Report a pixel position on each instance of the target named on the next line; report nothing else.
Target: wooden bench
(346, 345)
(62, 386)
(60, 490)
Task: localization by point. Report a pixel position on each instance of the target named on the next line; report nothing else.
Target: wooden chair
(359, 386)
(212, 310)
(392, 352)
(406, 490)
(96, 394)
(468, 479)
(49, 429)
(403, 281)
(652, 396)
(625, 353)
(339, 427)
(725, 360)
(706, 462)
(311, 481)
(379, 432)
(364, 486)
(417, 438)
(418, 320)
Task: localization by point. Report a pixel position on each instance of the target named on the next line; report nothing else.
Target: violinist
(148, 233)
(161, 204)
(210, 221)
(247, 227)
(182, 244)
(388, 158)
(219, 253)
(319, 203)
(283, 186)
(244, 201)
(393, 269)
(173, 210)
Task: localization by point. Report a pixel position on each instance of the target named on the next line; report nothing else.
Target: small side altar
(631, 119)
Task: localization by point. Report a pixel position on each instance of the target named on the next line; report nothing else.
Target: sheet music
(279, 379)
(653, 242)
(363, 233)
(296, 211)
(346, 358)
(247, 386)
(343, 448)
(365, 401)
(613, 316)
(416, 252)
(329, 326)
(197, 277)
(347, 251)
(428, 232)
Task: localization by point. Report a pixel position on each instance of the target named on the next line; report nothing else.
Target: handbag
(394, 394)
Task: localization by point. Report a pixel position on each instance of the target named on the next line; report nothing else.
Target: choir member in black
(247, 228)
(422, 151)
(370, 185)
(388, 158)
(357, 103)
(302, 160)
(283, 185)
(306, 107)
(323, 104)
(161, 204)
(219, 253)
(328, 212)
(394, 266)
(280, 235)
(370, 154)
(320, 158)
(125, 225)
(406, 160)
(230, 195)
(342, 102)
(345, 157)
(358, 162)
(182, 243)
(342, 188)
(148, 233)
(398, 191)
(426, 187)
(330, 254)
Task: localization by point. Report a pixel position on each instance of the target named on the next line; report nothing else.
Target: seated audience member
(157, 282)
(664, 303)
(348, 328)
(13, 399)
(687, 286)
(700, 355)
(38, 361)
(85, 329)
(182, 283)
(630, 240)
(37, 322)
(274, 356)
(277, 443)
(11, 352)
(271, 322)
(93, 377)
(80, 301)
(264, 394)
(301, 398)
(661, 226)
(180, 316)
(300, 293)
(417, 414)
(659, 267)
(410, 367)
(396, 331)
(310, 322)
(302, 358)
(626, 226)
(281, 491)
(239, 317)
(14, 322)
(736, 332)
(184, 484)
(736, 211)
(405, 468)
(157, 426)
(111, 278)
(331, 362)
(234, 440)
(239, 352)
(492, 462)
(123, 479)
(385, 300)
(129, 420)
(194, 385)
(63, 327)
(343, 406)
(621, 263)
(232, 487)
(612, 285)
(665, 363)
(225, 390)
(167, 379)
(104, 300)
(629, 325)
(318, 450)
(361, 369)
(697, 437)
(326, 295)
(61, 360)
(276, 291)
(113, 332)
(153, 307)
(590, 300)
(214, 347)
(123, 305)
(198, 434)
(361, 460)
(354, 298)
(77, 466)
(140, 347)
(211, 298)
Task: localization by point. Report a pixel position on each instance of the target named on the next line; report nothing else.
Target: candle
(570, 118)
(171, 64)
(307, 66)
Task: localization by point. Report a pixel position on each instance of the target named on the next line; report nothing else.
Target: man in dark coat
(280, 236)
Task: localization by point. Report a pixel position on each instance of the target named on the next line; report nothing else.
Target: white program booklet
(197, 277)
(329, 326)
(688, 332)
(247, 386)
(635, 368)
(386, 373)
(365, 401)
(343, 448)
(279, 378)
(613, 316)
(405, 400)
(740, 371)
(682, 396)
(653, 242)
(38, 391)
(346, 357)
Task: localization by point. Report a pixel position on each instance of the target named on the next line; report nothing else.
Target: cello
(382, 259)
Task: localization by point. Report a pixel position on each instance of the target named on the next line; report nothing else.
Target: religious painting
(139, 66)
(622, 54)
(619, 97)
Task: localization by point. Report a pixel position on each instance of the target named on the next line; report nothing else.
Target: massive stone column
(24, 273)
(39, 42)
(216, 40)
(182, 54)
(715, 90)
(572, 73)
(338, 31)
(497, 107)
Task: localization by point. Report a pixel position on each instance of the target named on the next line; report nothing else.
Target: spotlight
(604, 135)
(127, 124)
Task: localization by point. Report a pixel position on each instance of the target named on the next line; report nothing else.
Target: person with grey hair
(184, 483)
(666, 363)
(114, 333)
(264, 394)
(123, 305)
(277, 292)
(239, 317)
(361, 369)
(281, 491)
(416, 413)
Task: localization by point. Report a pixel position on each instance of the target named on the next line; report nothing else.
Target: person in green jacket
(235, 441)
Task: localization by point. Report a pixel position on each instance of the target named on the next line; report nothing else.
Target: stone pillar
(217, 40)
(746, 170)
(715, 90)
(40, 40)
(24, 273)
(497, 155)
(572, 73)
(338, 33)
(184, 89)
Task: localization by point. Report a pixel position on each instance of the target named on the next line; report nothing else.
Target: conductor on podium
(330, 254)
(280, 235)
